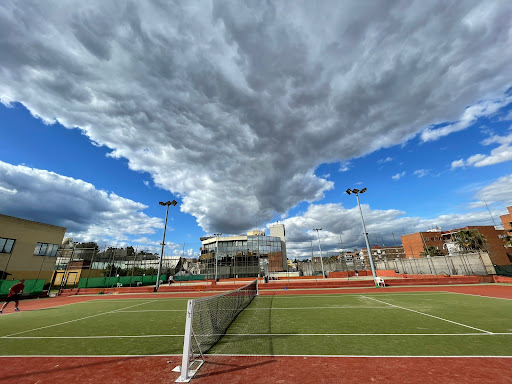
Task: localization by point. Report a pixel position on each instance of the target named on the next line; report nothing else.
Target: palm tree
(469, 240)
(431, 251)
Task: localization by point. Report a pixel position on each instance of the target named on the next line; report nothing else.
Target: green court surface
(379, 324)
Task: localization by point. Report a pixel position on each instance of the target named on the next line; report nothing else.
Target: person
(357, 273)
(14, 295)
(171, 279)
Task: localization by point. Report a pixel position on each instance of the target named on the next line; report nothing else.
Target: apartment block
(414, 243)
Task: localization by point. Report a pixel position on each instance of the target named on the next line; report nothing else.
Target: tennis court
(373, 323)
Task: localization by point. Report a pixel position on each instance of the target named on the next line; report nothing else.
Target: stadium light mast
(216, 253)
(168, 203)
(320, 248)
(357, 192)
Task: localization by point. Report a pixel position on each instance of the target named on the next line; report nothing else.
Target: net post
(185, 362)
(257, 287)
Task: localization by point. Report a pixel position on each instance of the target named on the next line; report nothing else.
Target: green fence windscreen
(32, 287)
(108, 282)
(189, 277)
(503, 270)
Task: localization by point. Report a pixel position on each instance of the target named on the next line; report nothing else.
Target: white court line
(155, 310)
(370, 356)
(262, 296)
(90, 337)
(72, 321)
(363, 334)
(258, 334)
(330, 307)
(487, 297)
(426, 314)
(245, 355)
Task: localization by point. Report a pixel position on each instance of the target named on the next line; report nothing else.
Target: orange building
(495, 239)
(507, 220)
(415, 243)
(507, 224)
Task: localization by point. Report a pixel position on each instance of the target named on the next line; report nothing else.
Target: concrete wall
(464, 264)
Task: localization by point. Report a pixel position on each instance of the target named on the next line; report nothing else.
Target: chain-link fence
(462, 264)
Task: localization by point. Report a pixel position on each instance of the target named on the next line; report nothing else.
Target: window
(6, 245)
(44, 249)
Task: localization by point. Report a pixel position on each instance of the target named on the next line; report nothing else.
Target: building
(414, 244)
(383, 253)
(507, 224)
(507, 220)
(244, 255)
(28, 248)
(494, 238)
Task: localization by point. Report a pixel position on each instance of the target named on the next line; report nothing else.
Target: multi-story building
(507, 224)
(494, 238)
(414, 244)
(507, 220)
(244, 255)
(383, 253)
(28, 248)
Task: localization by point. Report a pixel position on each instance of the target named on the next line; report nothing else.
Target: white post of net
(185, 375)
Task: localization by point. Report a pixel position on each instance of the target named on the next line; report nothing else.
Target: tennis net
(208, 319)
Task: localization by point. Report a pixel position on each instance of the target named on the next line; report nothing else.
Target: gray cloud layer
(232, 105)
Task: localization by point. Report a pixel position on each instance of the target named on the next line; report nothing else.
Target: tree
(469, 240)
(431, 251)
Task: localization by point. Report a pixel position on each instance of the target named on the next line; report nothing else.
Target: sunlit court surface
(386, 335)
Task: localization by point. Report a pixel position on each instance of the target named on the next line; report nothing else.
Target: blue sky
(271, 118)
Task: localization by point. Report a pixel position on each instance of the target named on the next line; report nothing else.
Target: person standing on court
(14, 295)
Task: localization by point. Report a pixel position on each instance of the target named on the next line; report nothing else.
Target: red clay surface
(261, 369)
(264, 369)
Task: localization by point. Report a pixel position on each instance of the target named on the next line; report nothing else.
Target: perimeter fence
(32, 287)
(462, 264)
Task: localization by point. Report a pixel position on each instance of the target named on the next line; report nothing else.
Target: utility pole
(357, 192)
(168, 203)
(320, 248)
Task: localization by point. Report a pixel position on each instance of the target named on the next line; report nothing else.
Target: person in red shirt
(14, 295)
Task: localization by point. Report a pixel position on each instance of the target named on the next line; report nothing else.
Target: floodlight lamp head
(363, 190)
(356, 191)
(349, 191)
(174, 202)
(161, 203)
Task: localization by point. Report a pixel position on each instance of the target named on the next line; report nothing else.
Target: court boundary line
(426, 314)
(474, 294)
(72, 321)
(260, 335)
(255, 355)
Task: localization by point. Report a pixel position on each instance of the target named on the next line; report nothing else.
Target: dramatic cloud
(233, 105)
(499, 154)
(341, 225)
(87, 213)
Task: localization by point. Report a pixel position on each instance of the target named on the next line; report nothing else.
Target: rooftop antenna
(492, 218)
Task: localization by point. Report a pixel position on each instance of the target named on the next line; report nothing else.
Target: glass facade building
(241, 256)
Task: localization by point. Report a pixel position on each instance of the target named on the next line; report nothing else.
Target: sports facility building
(28, 249)
(244, 255)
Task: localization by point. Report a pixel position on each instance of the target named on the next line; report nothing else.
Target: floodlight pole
(216, 253)
(320, 248)
(168, 203)
(357, 192)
